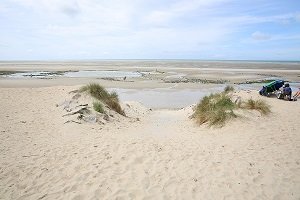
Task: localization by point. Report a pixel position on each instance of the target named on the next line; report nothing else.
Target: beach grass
(114, 96)
(215, 109)
(95, 90)
(100, 93)
(258, 105)
(98, 107)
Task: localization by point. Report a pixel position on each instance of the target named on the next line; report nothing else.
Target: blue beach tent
(271, 87)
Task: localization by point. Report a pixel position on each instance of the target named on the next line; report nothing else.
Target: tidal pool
(102, 74)
(165, 98)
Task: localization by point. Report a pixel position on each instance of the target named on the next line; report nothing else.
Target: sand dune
(163, 155)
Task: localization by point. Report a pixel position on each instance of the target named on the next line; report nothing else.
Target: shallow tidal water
(168, 98)
(165, 98)
(75, 74)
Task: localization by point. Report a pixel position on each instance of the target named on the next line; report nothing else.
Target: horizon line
(147, 59)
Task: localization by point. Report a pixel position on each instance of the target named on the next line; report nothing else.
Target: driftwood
(76, 96)
(80, 111)
(73, 91)
(69, 121)
(82, 105)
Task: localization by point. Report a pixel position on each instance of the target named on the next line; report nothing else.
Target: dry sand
(162, 155)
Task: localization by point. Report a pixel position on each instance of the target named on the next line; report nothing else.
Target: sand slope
(164, 155)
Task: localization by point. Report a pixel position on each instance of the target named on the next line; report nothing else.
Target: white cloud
(117, 16)
(179, 9)
(71, 10)
(88, 10)
(48, 5)
(140, 26)
(260, 36)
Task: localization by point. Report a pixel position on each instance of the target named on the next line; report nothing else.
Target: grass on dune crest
(258, 105)
(217, 109)
(100, 93)
(95, 90)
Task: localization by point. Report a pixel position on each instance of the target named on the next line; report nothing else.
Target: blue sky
(148, 29)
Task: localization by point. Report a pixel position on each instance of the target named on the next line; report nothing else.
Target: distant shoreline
(150, 60)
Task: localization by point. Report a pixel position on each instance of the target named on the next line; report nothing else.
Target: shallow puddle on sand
(165, 98)
(102, 74)
(178, 98)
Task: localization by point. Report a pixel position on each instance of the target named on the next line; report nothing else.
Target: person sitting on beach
(287, 90)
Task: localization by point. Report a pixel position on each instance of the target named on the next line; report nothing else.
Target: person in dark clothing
(287, 91)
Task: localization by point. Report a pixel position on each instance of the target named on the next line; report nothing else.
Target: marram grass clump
(96, 91)
(101, 94)
(258, 105)
(217, 109)
(98, 107)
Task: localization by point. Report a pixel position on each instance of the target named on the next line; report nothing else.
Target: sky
(150, 29)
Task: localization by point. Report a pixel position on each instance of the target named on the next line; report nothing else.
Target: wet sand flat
(155, 73)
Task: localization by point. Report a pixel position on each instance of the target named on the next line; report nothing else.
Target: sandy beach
(153, 153)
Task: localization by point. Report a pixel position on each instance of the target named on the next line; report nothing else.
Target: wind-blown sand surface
(163, 155)
(152, 153)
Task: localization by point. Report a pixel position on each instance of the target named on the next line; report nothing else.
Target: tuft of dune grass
(258, 105)
(95, 90)
(217, 109)
(98, 107)
(100, 93)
